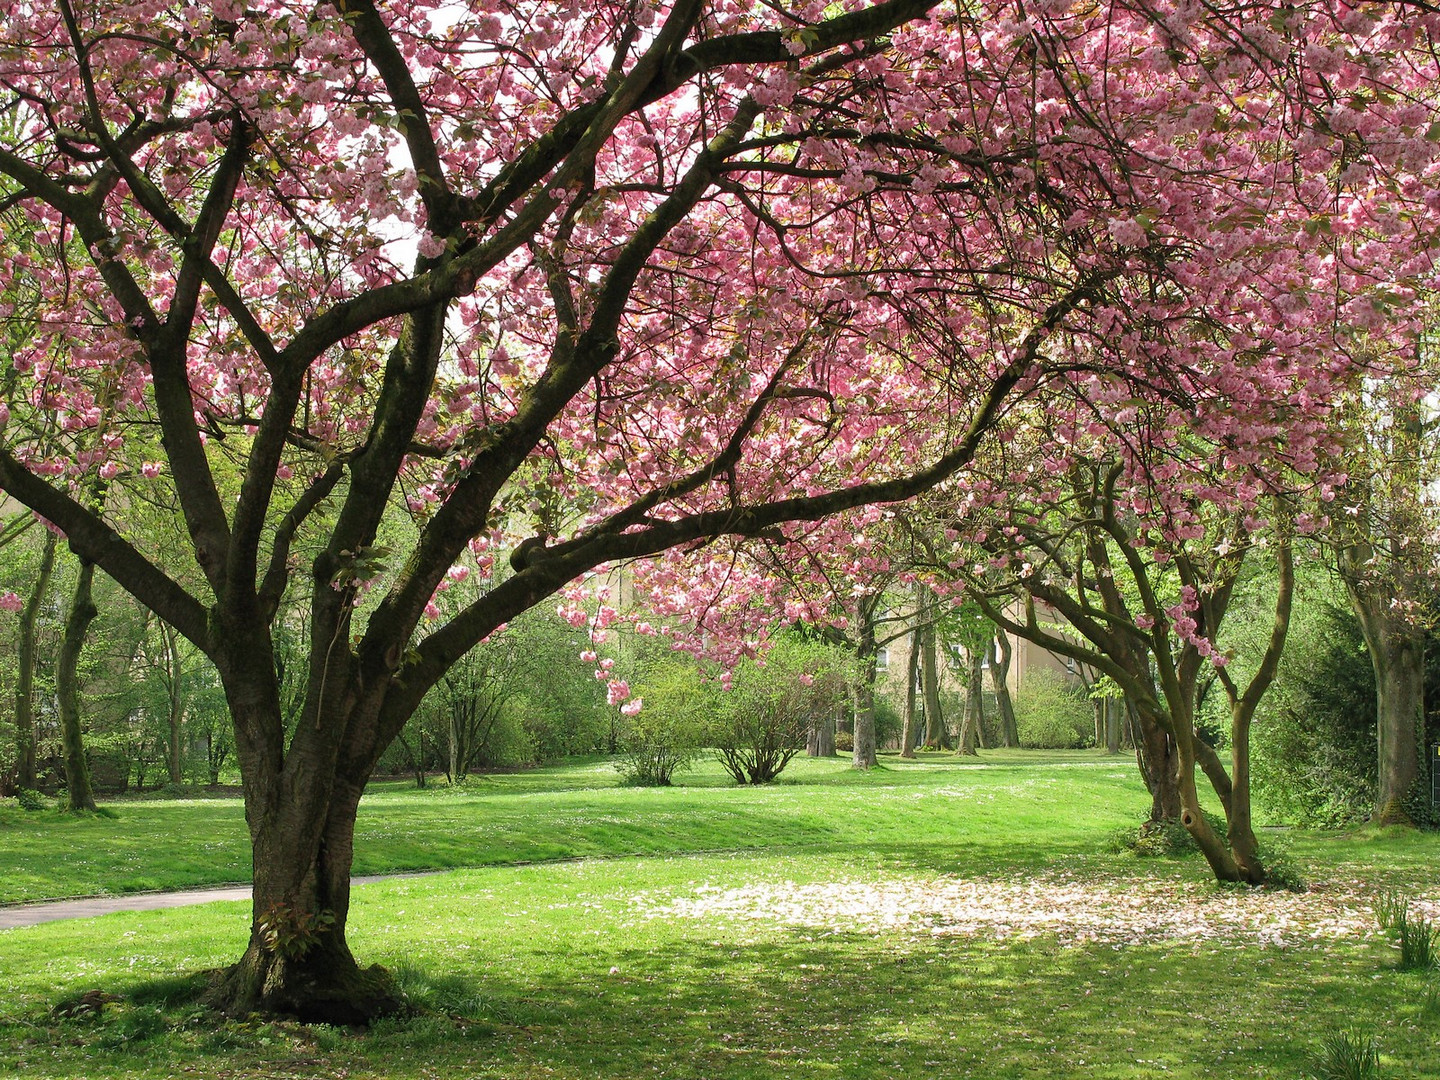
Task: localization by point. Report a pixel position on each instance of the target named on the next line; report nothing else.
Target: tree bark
(67, 687)
(176, 704)
(1112, 725)
(820, 740)
(25, 771)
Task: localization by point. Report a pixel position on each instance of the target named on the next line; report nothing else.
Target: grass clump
(1418, 940)
(1346, 1055)
(1391, 908)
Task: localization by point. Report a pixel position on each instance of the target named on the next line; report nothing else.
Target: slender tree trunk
(1000, 678)
(1112, 725)
(25, 771)
(866, 651)
(971, 734)
(174, 759)
(912, 672)
(935, 734)
(67, 687)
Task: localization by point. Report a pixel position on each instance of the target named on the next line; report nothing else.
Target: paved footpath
(88, 907)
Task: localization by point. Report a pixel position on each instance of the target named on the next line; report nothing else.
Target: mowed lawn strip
(1027, 807)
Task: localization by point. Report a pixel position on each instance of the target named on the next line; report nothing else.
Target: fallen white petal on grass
(1072, 909)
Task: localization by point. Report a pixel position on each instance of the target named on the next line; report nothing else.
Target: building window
(882, 659)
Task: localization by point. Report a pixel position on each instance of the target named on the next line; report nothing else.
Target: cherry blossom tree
(615, 279)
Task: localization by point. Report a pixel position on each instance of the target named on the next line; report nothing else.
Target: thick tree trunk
(863, 756)
(25, 772)
(912, 671)
(1397, 655)
(1155, 755)
(298, 962)
(999, 677)
(936, 737)
(67, 690)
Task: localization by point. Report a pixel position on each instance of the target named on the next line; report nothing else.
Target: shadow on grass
(796, 1004)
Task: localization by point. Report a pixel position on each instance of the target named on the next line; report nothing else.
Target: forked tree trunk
(25, 771)
(1000, 678)
(67, 690)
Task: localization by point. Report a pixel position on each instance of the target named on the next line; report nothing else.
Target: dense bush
(1313, 747)
(664, 737)
(761, 722)
(1051, 714)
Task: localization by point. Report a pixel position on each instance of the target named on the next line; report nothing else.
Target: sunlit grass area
(928, 919)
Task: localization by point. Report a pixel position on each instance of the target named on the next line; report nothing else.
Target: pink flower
(632, 707)
(431, 611)
(588, 656)
(10, 602)
(617, 692)
(109, 470)
(150, 470)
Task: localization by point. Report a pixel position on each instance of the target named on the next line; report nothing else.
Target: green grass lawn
(931, 919)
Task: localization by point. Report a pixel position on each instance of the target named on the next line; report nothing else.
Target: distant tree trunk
(176, 704)
(866, 651)
(820, 739)
(971, 726)
(67, 686)
(1000, 678)
(912, 671)
(1113, 709)
(25, 773)
(935, 735)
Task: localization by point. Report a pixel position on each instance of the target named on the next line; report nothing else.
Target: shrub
(29, 799)
(663, 738)
(1051, 714)
(762, 721)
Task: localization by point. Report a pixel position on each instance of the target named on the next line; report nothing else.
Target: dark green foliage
(1314, 748)
(1346, 1055)
(32, 800)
